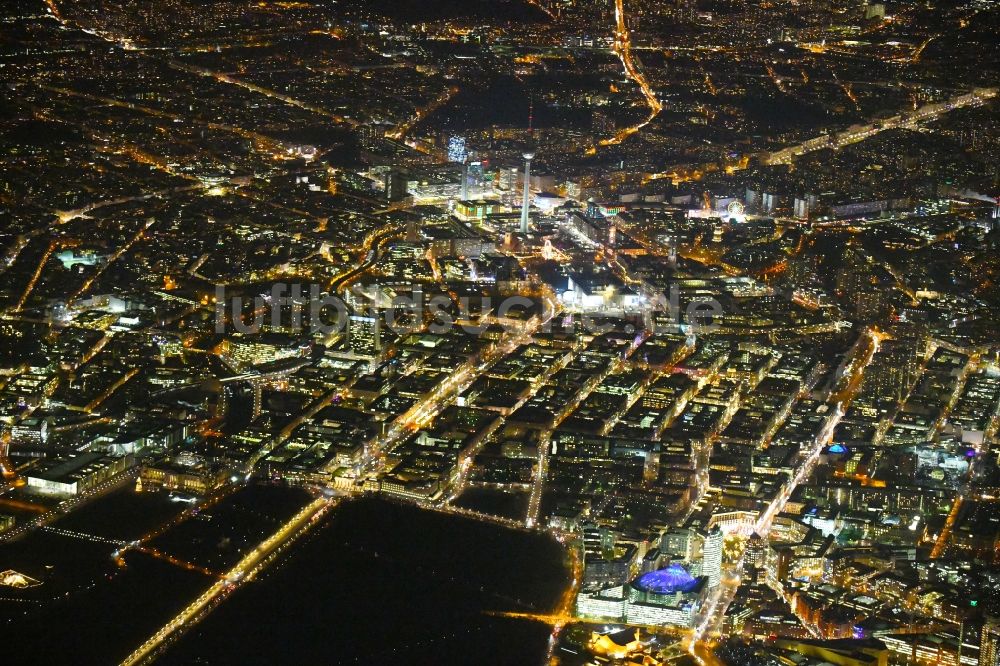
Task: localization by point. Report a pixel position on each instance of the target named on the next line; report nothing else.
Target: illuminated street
(242, 573)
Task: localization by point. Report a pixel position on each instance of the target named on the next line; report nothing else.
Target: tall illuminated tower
(526, 203)
(989, 646)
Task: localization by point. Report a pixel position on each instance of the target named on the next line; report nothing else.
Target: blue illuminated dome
(669, 580)
(838, 448)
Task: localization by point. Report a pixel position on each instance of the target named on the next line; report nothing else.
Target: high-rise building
(604, 561)
(756, 551)
(456, 149)
(989, 642)
(686, 10)
(464, 189)
(865, 287)
(896, 367)
(601, 123)
(395, 185)
(803, 207)
(371, 136)
(711, 559)
(364, 336)
(875, 10)
(677, 542)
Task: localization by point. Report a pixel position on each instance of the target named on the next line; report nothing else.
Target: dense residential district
(500, 332)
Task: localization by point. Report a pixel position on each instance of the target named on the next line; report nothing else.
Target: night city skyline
(516, 332)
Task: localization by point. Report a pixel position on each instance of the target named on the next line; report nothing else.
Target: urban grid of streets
(714, 609)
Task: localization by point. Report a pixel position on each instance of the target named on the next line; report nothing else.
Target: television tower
(528, 156)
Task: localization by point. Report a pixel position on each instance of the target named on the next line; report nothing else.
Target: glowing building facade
(667, 596)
